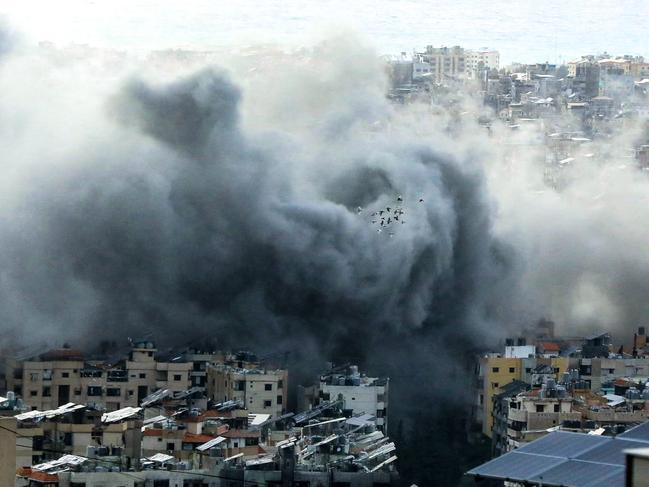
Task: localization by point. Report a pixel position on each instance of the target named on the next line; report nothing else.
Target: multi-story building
(480, 60)
(359, 394)
(261, 391)
(615, 80)
(532, 413)
(63, 376)
(496, 371)
(444, 62)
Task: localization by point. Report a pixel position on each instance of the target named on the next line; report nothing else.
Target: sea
(522, 30)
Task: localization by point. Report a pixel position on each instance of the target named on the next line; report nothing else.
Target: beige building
(62, 376)
(260, 391)
(480, 59)
(532, 413)
(496, 371)
(7, 451)
(444, 62)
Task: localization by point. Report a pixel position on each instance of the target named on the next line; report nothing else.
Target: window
(528, 370)
(512, 370)
(94, 390)
(481, 399)
(540, 408)
(130, 393)
(142, 375)
(268, 387)
(280, 399)
(47, 391)
(557, 408)
(77, 391)
(495, 370)
(280, 384)
(65, 374)
(170, 446)
(33, 393)
(268, 403)
(113, 392)
(494, 385)
(177, 376)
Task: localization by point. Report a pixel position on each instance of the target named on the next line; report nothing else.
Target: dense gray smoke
(143, 206)
(171, 197)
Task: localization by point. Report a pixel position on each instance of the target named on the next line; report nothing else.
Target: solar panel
(563, 444)
(516, 466)
(640, 432)
(576, 473)
(611, 452)
(617, 479)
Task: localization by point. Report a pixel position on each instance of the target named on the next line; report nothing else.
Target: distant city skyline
(554, 32)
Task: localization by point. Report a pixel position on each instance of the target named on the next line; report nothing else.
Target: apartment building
(481, 59)
(495, 372)
(261, 391)
(359, 394)
(62, 376)
(443, 62)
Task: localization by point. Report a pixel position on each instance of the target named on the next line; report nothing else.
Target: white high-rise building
(479, 59)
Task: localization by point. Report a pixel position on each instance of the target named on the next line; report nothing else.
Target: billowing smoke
(170, 197)
(144, 206)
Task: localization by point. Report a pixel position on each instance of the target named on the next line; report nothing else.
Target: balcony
(517, 415)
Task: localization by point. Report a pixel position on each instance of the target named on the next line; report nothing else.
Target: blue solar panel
(640, 433)
(563, 444)
(610, 452)
(617, 479)
(575, 473)
(516, 466)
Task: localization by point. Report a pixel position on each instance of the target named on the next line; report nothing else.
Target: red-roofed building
(548, 349)
(38, 478)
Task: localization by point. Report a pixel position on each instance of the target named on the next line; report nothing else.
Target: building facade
(260, 391)
(63, 376)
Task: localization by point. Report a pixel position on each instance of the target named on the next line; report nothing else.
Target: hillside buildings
(188, 418)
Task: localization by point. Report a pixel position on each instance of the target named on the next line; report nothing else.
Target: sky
(523, 31)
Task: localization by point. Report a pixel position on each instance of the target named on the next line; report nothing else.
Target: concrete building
(359, 394)
(444, 62)
(260, 391)
(532, 413)
(63, 376)
(480, 60)
(7, 451)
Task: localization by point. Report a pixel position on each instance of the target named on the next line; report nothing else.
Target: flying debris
(389, 216)
(421, 200)
(359, 210)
